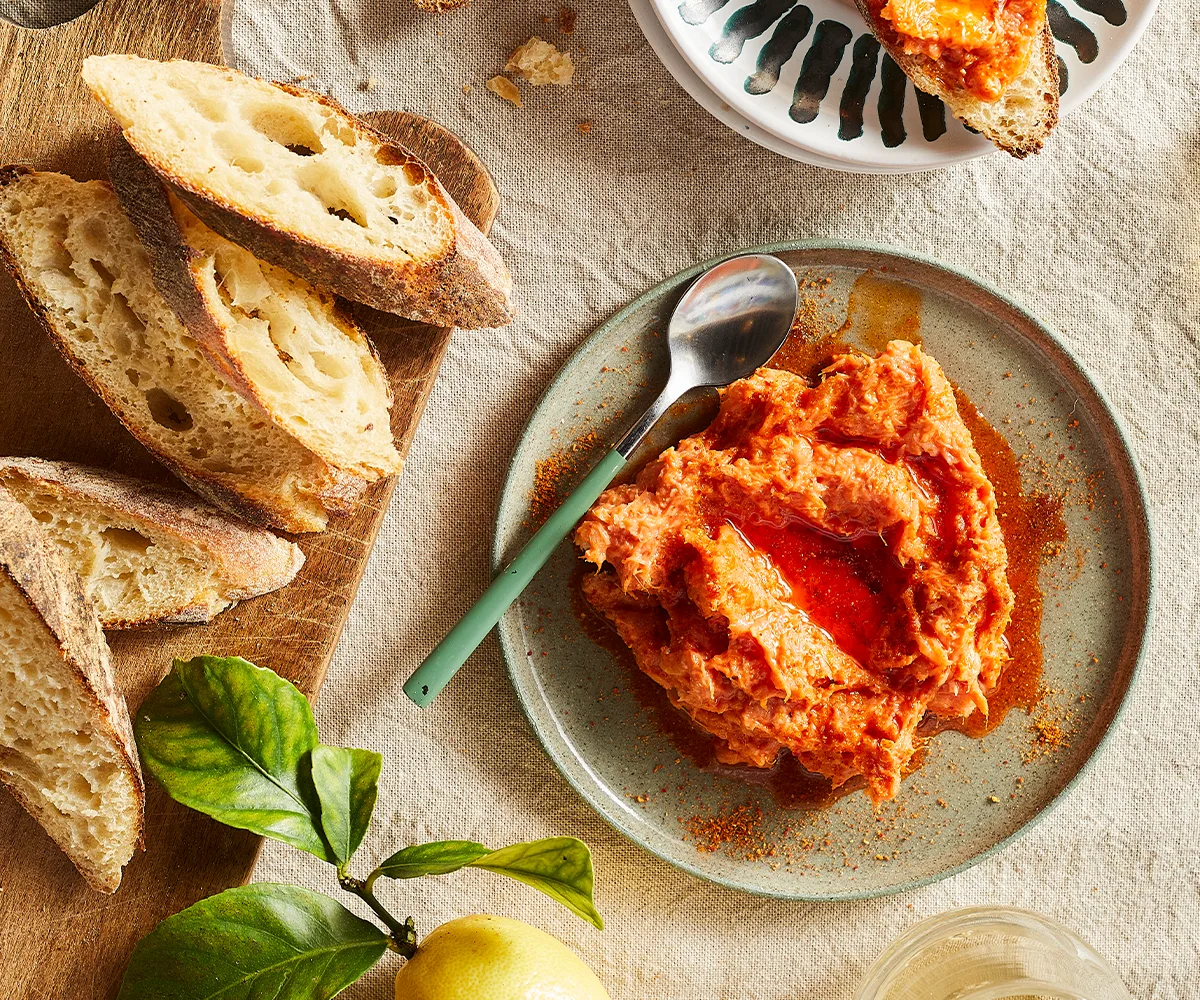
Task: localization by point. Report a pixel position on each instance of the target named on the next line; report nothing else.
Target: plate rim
(985, 147)
(508, 646)
(648, 11)
(694, 86)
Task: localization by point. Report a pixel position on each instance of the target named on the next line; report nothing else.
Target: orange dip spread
(979, 46)
(816, 570)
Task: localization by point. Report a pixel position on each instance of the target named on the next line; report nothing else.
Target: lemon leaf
(347, 783)
(254, 941)
(439, 858)
(561, 867)
(234, 741)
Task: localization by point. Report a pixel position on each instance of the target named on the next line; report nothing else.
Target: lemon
(494, 958)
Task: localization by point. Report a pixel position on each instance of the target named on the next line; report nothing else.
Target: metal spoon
(728, 324)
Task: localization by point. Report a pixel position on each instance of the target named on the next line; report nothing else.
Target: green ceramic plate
(618, 745)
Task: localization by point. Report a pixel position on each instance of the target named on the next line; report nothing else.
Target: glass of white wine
(991, 953)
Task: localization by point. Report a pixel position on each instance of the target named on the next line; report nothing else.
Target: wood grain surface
(58, 938)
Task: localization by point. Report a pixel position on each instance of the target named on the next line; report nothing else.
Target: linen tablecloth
(1098, 237)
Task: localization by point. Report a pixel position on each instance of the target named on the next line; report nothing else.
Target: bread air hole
(124, 324)
(341, 213)
(92, 233)
(328, 365)
(383, 186)
(124, 540)
(121, 343)
(340, 131)
(105, 275)
(125, 313)
(247, 164)
(288, 127)
(167, 411)
(231, 146)
(52, 256)
(391, 155)
(324, 184)
(212, 108)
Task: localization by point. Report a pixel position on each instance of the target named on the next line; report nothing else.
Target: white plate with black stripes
(808, 79)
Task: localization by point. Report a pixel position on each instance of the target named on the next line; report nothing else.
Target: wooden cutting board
(57, 937)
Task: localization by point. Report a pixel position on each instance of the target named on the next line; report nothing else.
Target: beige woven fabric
(1099, 236)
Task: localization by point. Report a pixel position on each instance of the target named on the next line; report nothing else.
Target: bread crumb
(438, 6)
(368, 84)
(540, 62)
(503, 87)
(466, 88)
(585, 127)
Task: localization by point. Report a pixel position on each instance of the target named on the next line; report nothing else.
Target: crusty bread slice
(148, 553)
(78, 260)
(279, 340)
(66, 745)
(1019, 121)
(294, 178)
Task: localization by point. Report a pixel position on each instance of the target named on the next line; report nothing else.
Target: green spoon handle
(451, 653)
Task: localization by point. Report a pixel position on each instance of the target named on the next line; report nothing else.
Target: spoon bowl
(732, 320)
(727, 325)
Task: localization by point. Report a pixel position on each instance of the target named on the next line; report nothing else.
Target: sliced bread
(83, 270)
(279, 340)
(1019, 121)
(66, 745)
(294, 178)
(148, 553)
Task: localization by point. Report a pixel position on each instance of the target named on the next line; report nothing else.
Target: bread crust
(1043, 63)
(466, 285)
(338, 495)
(250, 561)
(149, 207)
(55, 597)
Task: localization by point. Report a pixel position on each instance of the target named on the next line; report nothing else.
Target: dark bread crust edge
(144, 201)
(55, 595)
(921, 70)
(467, 286)
(250, 504)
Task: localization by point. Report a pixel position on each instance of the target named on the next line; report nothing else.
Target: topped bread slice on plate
(291, 176)
(993, 65)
